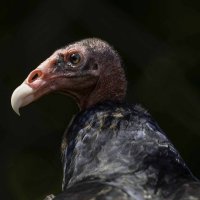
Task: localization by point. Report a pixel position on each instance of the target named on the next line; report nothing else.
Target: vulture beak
(38, 83)
(22, 96)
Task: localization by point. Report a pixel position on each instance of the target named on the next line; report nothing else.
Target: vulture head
(89, 70)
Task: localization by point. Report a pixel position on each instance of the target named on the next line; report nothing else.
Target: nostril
(34, 75)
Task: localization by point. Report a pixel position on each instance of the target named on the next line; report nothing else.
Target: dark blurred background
(159, 42)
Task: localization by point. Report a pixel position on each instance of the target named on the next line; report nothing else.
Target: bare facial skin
(89, 71)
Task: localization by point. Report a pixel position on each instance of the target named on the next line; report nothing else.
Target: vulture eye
(75, 58)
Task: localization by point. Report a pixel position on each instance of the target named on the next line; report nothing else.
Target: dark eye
(75, 58)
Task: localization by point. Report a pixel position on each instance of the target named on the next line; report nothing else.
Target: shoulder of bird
(114, 140)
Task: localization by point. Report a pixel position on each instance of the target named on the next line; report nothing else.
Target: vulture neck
(111, 86)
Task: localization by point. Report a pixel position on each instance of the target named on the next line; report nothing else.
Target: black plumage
(117, 151)
(111, 150)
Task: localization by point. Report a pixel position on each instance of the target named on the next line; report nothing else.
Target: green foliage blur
(159, 42)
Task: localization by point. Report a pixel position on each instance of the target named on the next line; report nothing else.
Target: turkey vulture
(111, 150)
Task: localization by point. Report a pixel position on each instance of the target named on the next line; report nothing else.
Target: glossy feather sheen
(117, 151)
